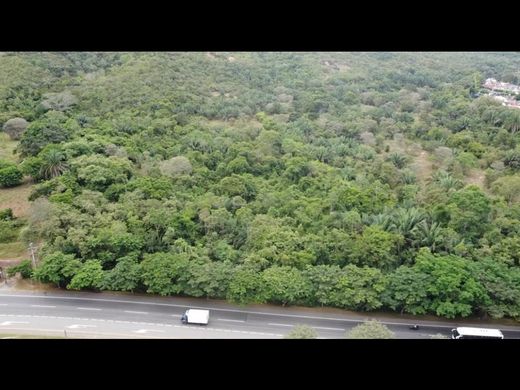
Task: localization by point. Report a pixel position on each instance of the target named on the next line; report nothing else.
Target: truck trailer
(195, 316)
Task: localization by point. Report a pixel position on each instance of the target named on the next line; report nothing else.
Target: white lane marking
(136, 312)
(88, 308)
(228, 310)
(176, 315)
(3, 338)
(320, 327)
(3, 304)
(223, 319)
(147, 330)
(81, 326)
(271, 323)
(231, 310)
(13, 322)
(51, 307)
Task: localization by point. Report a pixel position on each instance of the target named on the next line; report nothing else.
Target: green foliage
(161, 272)
(366, 199)
(406, 291)
(57, 268)
(261, 177)
(502, 284)
(376, 248)
(8, 230)
(324, 280)
(302, 332)
(469, 212)
(151, 187)
(89, 276)
(508, 187)
(97, 172)
(370, 330)
(25, 269)
(32, 166)
(285, 285)
(398, 160)
(52, 163)
(52, 128)
(10, 176)
(451, 287)
(359, 288)
(6, 215)
(507, 250)
(246, 287)
(209, 279)
(125, 276)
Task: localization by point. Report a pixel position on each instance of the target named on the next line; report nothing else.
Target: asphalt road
(104, 315)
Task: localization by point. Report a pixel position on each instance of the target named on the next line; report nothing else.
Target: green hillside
(365, 181)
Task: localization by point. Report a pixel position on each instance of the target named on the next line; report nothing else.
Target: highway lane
(113, 315)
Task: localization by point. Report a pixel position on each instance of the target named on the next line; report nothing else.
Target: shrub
(6, 215)
(370, 330)
(10, 176)
(25, 269)
(302, 332)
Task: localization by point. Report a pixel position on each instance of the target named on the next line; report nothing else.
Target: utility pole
(31, 248)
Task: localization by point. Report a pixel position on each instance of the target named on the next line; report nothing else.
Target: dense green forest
(364, 181)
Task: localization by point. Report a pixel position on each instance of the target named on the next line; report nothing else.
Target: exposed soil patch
(476, 177)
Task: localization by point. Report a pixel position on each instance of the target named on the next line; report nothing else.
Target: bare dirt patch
(476, 177)
(422, 167)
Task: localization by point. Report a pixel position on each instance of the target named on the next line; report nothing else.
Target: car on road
(195, 316)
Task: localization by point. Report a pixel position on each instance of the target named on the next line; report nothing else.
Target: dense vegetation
(290, 178)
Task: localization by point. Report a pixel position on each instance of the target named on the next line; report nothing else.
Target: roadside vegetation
(363, 181)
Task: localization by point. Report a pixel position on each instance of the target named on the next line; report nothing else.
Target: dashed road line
(220, 309)
(139, 323)
(88, 308)
(45, 306)
(136, 312)
(224, 319)
(274, 324)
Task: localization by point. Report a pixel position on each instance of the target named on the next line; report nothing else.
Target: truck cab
(195, 316)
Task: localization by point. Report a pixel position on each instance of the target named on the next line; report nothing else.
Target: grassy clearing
(13, 250)
(476, 177)
(6, 148)
(16, 198)
(420, 160)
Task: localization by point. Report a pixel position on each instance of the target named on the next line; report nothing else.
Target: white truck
(195, 316)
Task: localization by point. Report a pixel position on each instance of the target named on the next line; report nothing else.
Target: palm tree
(406, 220)
(408, 177)
(398, 160)
(53, 164)
(384, 221)
(512, 120)
(447, 181)
(428, 234)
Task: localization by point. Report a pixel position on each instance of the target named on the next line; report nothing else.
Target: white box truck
(194, 316)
